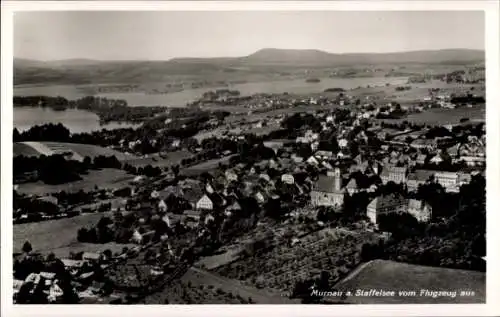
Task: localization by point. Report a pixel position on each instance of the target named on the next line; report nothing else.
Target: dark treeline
(334, 89)
(107, 109)
(56, 169)
(468, 99)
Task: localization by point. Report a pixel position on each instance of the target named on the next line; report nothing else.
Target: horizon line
(240, 56)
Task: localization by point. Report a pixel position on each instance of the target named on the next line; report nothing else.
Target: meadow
(395, 276)
(82, 150)
(417, 92)
(198, 286)
(442, 116)
(59, 236)
(104, 179)
(207, 166)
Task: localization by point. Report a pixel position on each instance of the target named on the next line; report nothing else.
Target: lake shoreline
(186, 96)
(77, 121)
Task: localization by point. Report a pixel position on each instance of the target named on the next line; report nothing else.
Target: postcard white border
(493, 172)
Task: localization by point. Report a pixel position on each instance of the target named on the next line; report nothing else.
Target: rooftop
(325, 184)
(387, 201)
(392, 169)
(420, 175)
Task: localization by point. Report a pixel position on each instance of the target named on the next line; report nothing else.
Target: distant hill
(317, 57)
(82, 71)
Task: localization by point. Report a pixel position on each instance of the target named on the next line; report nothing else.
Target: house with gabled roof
(204, 203)
(162, 206)
(312, 160)
(421, 159)
(352, 186)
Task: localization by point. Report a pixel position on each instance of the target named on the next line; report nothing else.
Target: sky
(142, 35)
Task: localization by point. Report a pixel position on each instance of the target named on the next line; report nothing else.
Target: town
(241, 199)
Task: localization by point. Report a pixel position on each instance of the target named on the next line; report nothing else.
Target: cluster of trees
(107, 109)
(76, 198)
(101, 233)
(218, 93)
(455, 238)
(436, 132)
(396, 114)
(32, 207)
(469, 98)
(403, 88)
(335, 89)
(148, 170)
(298, 121)
(46, 132)
(56, 169)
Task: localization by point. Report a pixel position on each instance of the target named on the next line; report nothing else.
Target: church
(328, 190)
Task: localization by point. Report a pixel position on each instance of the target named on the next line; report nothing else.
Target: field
(198, 286)
(416, 93)
(24, 149)
(172, 158)
(104, 179)
(80, 150)
(334, 250)
(441, 116)
(214, 261)
(205, 166)
(389, 275)
(59, 236)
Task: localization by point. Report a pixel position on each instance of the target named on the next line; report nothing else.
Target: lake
(179, 99)
(77, 121)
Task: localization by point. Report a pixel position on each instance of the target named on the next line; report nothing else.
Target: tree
(87, 161)
(108, 254)
(27, 248)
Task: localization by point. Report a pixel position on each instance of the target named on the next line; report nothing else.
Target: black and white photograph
(290, 157)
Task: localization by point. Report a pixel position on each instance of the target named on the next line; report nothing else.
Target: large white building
(449, 180)
(384, 205)
(393, 203)
(394, 174)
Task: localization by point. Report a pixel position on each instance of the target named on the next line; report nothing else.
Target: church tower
(337, 179)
